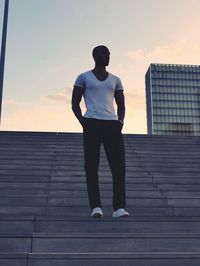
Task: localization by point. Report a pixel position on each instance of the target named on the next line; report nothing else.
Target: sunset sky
(49, 42)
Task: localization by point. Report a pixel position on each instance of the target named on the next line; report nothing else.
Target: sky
(49, 43)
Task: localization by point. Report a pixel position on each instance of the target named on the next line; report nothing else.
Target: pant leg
(91, 144)
(114, 148)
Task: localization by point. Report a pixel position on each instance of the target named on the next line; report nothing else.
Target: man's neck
(99, 69)
(100, 72)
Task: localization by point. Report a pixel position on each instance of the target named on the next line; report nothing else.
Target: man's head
(101, 55)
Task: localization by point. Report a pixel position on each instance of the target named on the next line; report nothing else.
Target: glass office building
(173, 99)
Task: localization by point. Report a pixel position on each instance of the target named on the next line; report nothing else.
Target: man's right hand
(76, 98)
(121, 123)
(81, 121)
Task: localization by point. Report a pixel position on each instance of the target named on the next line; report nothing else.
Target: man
(101, 125)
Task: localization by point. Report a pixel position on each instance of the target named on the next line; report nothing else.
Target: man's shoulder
(114, 76)
(85, 73)
(117, 82)
(81, 79)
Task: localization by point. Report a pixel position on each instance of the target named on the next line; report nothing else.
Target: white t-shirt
(99, 95)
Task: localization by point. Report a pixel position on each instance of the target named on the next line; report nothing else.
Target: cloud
(40, 118)
(61, 119)
(169, 52)
(60, 97)
(181, 51)
(63, 96)
(41, 115)
(136, 55)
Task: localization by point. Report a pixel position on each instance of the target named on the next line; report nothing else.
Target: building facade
(173, 99)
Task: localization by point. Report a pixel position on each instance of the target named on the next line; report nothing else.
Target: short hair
(98, 48)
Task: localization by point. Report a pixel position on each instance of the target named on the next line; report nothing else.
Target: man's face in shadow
(102, 56)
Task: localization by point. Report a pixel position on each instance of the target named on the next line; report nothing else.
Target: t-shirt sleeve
(80, 81)
(119, 86)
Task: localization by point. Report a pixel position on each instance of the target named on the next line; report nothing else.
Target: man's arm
(76, 99)
(120, 101)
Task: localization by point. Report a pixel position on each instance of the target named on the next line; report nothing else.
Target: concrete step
(20, 226)
(26, 157)
(46, 170)
(15, 243)
(105, 193)
(23, 151)
(133, 168)
(177, 180)
(181, 168)
(104, 185)
(131, 218)
(60, 164)
(33, 172)
(176, 208)
(23, 192)
(23, 201)
(178, 187)
(24, 166)
(87, 217)
(175, 174)
(108, 179)
(134, 162)
(140, 173)
(98, 259)
(25, 162)
(186, 211)
(152, 163)
(134, 210)
(14, 259)
(174, 155)
(69, 187)
(22, 210)
(115, 242)
(106, 225)
(83, 201)
(179, 146)
(183, 194)
(84, 211)
(181, 202)
(102, 168)
(167, 160)
(43, 192)
(116, 259)
(25, 178)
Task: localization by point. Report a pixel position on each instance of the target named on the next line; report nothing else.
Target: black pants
(108, 132)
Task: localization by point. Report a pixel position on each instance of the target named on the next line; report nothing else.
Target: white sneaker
(97, 213)
(120, 213)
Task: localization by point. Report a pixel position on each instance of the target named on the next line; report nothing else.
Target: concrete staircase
(44, 211)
